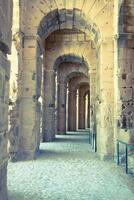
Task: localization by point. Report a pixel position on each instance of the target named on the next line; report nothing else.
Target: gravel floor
(67, 169)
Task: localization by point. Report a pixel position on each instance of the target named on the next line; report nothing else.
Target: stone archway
(89, 21)
(49, 120)
(95, 44)
(66, 71)
(74, 83)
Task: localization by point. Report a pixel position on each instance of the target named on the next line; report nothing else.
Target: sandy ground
(67, 169)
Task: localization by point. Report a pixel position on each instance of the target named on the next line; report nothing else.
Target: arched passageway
(65, 31)
(72, 101)
(64, 98)
(58, 42)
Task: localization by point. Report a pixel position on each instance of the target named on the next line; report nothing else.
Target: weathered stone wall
(87, 30)
(105, 100)
(83, 88)
(125, 118)
(5, 46)
(57, 44)
(65, 71)
(74, 84)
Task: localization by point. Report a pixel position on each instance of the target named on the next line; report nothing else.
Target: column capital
(18, 39)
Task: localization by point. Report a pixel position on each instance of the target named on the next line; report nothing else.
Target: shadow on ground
(71, 140)
(18, 196)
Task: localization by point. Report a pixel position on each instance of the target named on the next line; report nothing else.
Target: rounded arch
(84, 83)
(74, 69)
(72, 58)
(125, 23)
(78, 79)
(68, 19)
(121, 17)
(76, 101)
(75, 75)
(87, 91)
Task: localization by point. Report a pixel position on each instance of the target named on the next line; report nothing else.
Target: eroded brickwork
(125, 118)
(5, 48)
(74, 84)
(66, 71)
(64, 29)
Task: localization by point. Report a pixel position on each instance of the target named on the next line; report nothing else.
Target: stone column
(88, 111)
(125, 111)
(39, 97)
(105, 127)
(81, 109)
(61, 113)
(72, 109)
(28, 99)
(5, 49)
(4, 100)
(124, 115)
(48, 122)
(94, 93)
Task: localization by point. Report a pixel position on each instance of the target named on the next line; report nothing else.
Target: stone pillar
(14, 95)
(4, 100)
(94, 94)
(61, 113)
(81, 109)
(105, 126)
(126, 89)
(28, 99)
(124, 123)
(5, 49)
(88, 111)
(38, 123)
(39, 101)
(72, 109)
(48, 122)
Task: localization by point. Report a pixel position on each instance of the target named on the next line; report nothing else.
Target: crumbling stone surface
(5, 46)
(66, 71)
(13, 134)
(5, 25)
(74, 84)
(61, 29)
(125, 111)
(83, 89)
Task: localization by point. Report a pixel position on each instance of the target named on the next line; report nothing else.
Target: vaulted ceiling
(98, 12)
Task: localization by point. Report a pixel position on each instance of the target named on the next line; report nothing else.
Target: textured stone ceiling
(99, 11)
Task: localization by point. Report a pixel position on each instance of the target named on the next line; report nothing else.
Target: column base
(48, 137)
(61, 133)
(72, 130)
(45, 139)
(23, 155)
(104, 157)
(3, 181)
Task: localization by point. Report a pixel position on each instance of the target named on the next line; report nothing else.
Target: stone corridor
(67, 169)
(66, 65)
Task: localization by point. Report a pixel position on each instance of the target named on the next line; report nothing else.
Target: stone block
(6, 21)
(62, 16)
(3, 181)
(126, 94)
